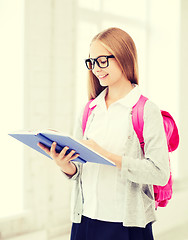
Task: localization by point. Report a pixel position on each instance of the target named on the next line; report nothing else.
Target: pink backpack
(162, 193)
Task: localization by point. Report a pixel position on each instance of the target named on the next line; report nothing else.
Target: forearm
(70, 169)
(112, 157)
(116, 159)
(145, 171)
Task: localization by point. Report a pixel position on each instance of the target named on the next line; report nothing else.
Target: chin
(103, 83)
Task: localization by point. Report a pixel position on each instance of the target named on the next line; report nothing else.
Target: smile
(102, 76)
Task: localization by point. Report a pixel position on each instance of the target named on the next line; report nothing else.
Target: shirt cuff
(72, 177)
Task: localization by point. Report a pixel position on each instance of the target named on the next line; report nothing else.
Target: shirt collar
(128, 101)
(131, 98)
(99, 99)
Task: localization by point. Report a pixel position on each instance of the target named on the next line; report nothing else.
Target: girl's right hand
(61, 159)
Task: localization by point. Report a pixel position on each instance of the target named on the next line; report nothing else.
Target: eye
(102, 60)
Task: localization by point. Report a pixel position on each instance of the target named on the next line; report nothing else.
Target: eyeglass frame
(94, 60)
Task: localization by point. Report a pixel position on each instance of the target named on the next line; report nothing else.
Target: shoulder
(151, 109)
(152, 115)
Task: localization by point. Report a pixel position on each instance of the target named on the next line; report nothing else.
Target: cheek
(116, 69)
(116, 74)
(93, 72)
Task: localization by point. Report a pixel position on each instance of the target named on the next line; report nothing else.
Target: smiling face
(111, 75)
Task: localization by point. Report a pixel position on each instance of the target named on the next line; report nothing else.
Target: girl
(115, 202)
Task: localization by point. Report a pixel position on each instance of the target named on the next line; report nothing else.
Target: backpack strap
(170, 127)
(138, 119)
(86, 114)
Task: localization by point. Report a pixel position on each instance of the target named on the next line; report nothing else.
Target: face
(111, 75)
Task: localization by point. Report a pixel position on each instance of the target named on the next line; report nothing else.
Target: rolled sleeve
(75, 176)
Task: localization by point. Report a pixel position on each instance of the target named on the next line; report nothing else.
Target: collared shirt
(138, 172)
(103, 187)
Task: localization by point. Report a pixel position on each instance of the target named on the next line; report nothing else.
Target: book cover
(32, 138)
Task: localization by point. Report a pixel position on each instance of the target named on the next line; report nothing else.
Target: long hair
(121, 45)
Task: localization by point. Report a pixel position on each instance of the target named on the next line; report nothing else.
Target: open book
(31, 139)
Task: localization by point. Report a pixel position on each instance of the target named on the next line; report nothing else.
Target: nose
(96, 68)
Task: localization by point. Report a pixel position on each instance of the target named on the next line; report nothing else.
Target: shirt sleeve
(154, 167)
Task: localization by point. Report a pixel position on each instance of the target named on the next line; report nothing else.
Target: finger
(52, 150)
(74, 157)
(69, 156)
(53, 146)
(63, 152)
(44, 148)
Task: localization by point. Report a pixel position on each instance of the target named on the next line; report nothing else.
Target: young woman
(115, 202)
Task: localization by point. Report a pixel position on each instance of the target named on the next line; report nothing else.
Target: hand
(112, 157)
(93, 145)
(61, 159)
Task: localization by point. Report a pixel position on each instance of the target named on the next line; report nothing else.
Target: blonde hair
(122, 46)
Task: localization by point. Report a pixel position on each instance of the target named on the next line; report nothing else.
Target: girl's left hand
(93, 145)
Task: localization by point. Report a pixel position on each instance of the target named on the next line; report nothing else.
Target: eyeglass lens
(102, 62)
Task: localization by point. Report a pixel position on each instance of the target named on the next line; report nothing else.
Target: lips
(102, 76)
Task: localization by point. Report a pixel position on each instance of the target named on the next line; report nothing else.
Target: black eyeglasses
(102, 62)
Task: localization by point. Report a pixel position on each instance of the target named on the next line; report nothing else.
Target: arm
(112, 157)
(153, 168)
(61, 159)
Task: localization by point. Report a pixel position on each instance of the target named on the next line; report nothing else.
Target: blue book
(86, 154)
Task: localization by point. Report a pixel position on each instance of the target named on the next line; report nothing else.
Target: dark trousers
(92, 229)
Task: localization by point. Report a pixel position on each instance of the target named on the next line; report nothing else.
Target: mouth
(101, 77)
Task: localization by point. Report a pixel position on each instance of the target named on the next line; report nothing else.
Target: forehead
(97, 49)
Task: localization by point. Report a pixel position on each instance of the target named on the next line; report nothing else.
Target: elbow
(163, 172)
(163, 178)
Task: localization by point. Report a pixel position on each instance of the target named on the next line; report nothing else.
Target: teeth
(102, 76)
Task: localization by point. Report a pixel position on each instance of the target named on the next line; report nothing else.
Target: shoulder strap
(138, 119)
(86, 114)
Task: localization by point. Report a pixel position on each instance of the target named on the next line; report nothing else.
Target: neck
(117, 92)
